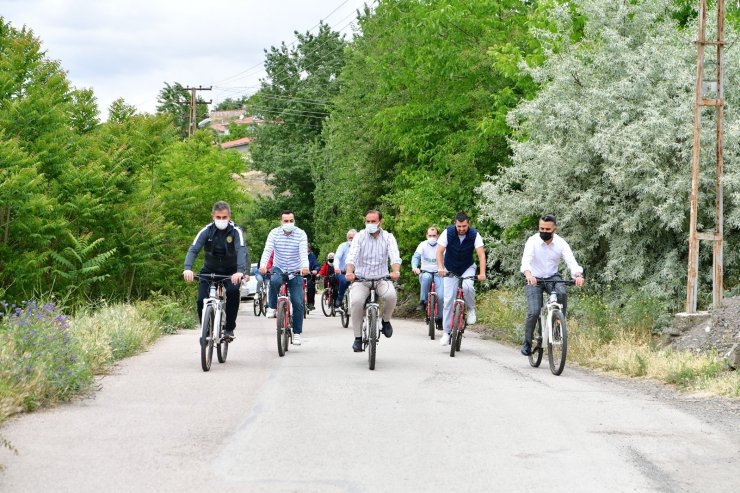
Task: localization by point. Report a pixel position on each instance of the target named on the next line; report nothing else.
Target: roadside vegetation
(618, 336)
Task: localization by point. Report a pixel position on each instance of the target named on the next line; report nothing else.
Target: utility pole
(193, 90)
(705, 89)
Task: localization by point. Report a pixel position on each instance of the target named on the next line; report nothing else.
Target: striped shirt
(370, 256)
(291, 250)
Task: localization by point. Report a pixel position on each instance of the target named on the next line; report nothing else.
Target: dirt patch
(716, 335)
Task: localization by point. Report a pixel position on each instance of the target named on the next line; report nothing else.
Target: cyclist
(226, 253)
(313, 266)
(541, 258)
(368, 256)
(340, 267)
(426, 252)
(289, 246)
(455, 254)
(327, 273)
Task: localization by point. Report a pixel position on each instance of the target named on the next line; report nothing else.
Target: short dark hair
(461, 216)
(286, 211)
(549, 218)
(376, 211)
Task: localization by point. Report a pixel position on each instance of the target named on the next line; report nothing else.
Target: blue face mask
(371, 227)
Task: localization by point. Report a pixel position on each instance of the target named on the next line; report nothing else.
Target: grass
(46, 358)
(617, 338)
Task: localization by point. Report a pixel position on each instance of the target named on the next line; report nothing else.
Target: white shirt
(542, 260)
(443, 239)
(340, 258)
(427, 254)
(370, 255)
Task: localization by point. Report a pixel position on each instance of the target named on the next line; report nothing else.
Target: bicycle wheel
(326, 302)
(458, 342)
(256, 305)
(431, 317)
(456, 315)
(222, 348)
(535, 355)
(372, 336)
(263, 303)
(557, 349)
(206, 339)
(345, 311)
(280, 317)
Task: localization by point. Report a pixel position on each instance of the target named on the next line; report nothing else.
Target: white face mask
(371, 227)
(432, 241)
(221, 223)
(288, 227)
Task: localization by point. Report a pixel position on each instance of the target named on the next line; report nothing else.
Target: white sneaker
(296, 339)
(270, 313)
(471, 318)
(445, 341)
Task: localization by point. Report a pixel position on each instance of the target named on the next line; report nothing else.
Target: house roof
(237, 143)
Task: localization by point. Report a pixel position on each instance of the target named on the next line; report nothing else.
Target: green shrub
(170, 314)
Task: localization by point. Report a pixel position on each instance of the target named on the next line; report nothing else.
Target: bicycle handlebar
(542, 282)
(452, 274)
(211, 277)
(368, 279)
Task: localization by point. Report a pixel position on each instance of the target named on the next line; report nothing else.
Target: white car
(248, 288)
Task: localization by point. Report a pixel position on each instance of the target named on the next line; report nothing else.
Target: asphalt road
(317, 420)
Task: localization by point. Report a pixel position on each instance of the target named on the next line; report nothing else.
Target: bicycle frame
(432, 308)
(371, 305)
(546, 317)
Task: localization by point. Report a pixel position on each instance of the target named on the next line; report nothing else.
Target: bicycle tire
(206, 339)
(458, 343)
(456, 314)
(326, 303)
(372, 336)
(431, 314)
(557, 349)
(535, 355)
(263, 303)
(345, 311)
(280, 320)
(256, 305)
(222, 348)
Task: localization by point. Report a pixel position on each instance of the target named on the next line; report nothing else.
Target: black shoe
(337, 305)
(387, 329)
(527, 349)
(311, 307)
(439, 324)
(421, 307)
(357, 345)
(229, 335)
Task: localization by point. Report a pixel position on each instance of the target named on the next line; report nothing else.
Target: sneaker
(229, 335)
(387, 329)
(311, 307)
(421, 307)
(296, 339)
(527, 349)
(270, 313)
(439, 324)
(445, 341)
(357, 345)
(471, 318)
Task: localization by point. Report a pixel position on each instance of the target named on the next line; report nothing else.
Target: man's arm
(576, 271)
(269, 247)
(481, 251)
(303, 252)
(416, 260)
(354, 250)
(395, 257)
(195, 247)
(526, 267)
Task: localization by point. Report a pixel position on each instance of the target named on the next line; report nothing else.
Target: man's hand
(441, 272)
(337, 271)
(187, 275)
(481, 277)
(531, 280)
(304, 271)
(416, 271)
(313, 272)
(350, 276)
(580, 281)
(263, 271)
(236, 278)
(395, 275)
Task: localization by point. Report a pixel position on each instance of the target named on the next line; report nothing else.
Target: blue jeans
(295, 288)
(342, 288)
(425, 279)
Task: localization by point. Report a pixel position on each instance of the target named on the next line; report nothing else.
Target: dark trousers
(534, 302)
(310, 289)
(232, 300)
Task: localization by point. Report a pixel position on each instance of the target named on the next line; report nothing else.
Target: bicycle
(432, 312)
(344, 312)
(282, 313)
(551, 317)
(457, 322)
(371, 322)
(327, 299)
(260, 300)
(213, 319)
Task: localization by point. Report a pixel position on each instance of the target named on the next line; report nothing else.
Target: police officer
(226, 254)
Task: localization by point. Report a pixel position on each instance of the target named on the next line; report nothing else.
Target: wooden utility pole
(703, 99)
(193, 90)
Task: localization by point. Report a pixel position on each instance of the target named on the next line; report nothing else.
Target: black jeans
(310, 289)
(232, 300)
(534, 302)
